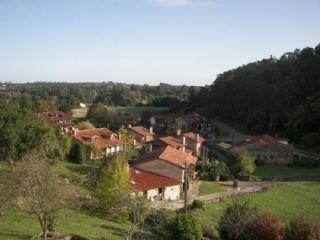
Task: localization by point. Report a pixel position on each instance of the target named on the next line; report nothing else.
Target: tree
(218, 169)
(85, 125)
(242, 163)
(20, 133)
(33, 187)
(188, 228)
(129, 149)
(301, 229)
(137, 210)
(236, 221)
(112, 185)
(97, 114)
(266, 227)
(78, 153)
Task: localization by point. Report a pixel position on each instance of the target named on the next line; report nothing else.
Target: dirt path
(245, 189)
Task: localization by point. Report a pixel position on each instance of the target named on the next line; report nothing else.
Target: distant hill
(276, 96)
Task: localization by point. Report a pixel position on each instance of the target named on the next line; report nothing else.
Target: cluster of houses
(3, 86)
(159, 173)
(265, 149)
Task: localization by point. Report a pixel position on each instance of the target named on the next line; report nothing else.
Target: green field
(17, 226)
(141, 109)
(209, 187)
(82, 112)
(278, 171)
(287, 201)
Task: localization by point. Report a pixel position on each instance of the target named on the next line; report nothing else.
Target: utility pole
(185, 187)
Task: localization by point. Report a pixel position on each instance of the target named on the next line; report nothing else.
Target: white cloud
(180, 3)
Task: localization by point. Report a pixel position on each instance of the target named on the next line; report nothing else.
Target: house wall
(152, 193)
(172, 193)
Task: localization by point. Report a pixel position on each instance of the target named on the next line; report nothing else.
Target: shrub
(197, 204)
(236, 220)
(266, 227)
(188, 228)
(161, 224)
(302, 229)
(209, 231)
(78, 153)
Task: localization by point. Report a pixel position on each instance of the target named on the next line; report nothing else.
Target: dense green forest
(64, 96)
(276, 96)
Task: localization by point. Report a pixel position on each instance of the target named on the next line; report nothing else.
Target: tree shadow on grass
(5, 233)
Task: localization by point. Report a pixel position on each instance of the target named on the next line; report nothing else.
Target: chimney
(129, 126)
(75, 131)
(198, 138)
(134, 142)
(178, 132)
(151, 129)
(119, 135)
(183, 143)
(149, 147)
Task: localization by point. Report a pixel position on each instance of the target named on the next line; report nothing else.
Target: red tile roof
(159, 117)
(53, 116)
(174, 142)
(170, 155)
(193, 136)
(143, 180)
(102, 136)
(142, 131)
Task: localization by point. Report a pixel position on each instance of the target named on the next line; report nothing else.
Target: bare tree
(33, 187)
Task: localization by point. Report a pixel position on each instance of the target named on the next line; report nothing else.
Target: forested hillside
(64, 96)
(277, 96)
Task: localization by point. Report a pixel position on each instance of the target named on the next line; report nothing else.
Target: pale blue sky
(147, 41)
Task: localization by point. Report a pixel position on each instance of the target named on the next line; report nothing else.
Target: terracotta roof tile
(171, 155)
(53, 116)
(193, 136)
(143, 180)
(142, 131)
(174, 142)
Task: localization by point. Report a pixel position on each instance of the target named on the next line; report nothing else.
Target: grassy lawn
(210, 187)
(17, 226)
(278, 171)
(287, 201)
(141, 109)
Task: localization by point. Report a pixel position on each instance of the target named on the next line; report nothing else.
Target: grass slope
(288, 200)
(210, 187)
(279, 171)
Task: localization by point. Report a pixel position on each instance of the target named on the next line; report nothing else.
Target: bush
(301, 229)
(197, 204)
(78, 153)
(236, 220)
(266, 227)
(188, 228)
(161, 224)
(241, 163)
(209, 231)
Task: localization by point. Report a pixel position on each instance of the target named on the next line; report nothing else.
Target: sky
(147, 41)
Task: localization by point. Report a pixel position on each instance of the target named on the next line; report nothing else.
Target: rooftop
(142, 131)
(170, 155)
(194, 136)
(143, 180)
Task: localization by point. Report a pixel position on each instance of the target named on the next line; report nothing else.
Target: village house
(189, 121)
(166, 161)
(141, 134)
(133, 120)
(179, 144)
(195, 142)
(153, 186)
(102, 142)
(268, 150)
(56, 117)
(158, 120)
(3, 86)
(61, 120)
